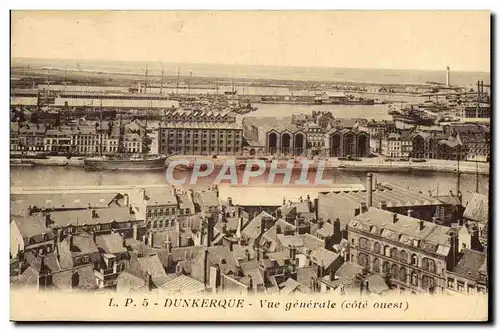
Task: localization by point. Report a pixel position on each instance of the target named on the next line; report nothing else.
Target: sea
(326, 74)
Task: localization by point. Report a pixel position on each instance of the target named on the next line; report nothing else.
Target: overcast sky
(394, 40)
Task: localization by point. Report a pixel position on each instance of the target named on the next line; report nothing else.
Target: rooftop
(431, 237)
(469, 264)
(477, 208)
(89, 217)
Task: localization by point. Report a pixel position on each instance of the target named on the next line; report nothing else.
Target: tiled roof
(127, 281)
(270, 195)
(433, 237)
(323, 257)
(477, 208)
(82, 217)
(183, 284)
(111, 243)
(392, 195)
(377, 284)
(469, 264)
(222, 256)
(209, 198)
(201, 125)
(66, 200)
(31, 226)
(348, 271)
(160, 196)
(253, 230)
(153, 266)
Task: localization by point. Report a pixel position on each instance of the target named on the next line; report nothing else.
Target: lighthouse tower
(447, 76)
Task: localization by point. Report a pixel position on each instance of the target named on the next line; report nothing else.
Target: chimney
(134, 231)
(332, 274)
(409, 212)
(453, 255)
(383, 204)
(231, 245)
(48, 221)
(394, 218)
(296, 224)
(451, 193)
(143, 194)
(205, 267)
(30, 210)
(278, 229)
(247, 254)
(369, 188)
(70, 239)
(229, 201)
(337, 233)
(357, 211)
(94, 213)
(364, 207)
(293, 253)
(150, 239)
(150, 281)
(421, 225)
(126, 200)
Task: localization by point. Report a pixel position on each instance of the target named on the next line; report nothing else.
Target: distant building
(200, 138)
(396, 145)
(470, 275)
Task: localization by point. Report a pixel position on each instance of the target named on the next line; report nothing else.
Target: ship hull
(128, 165)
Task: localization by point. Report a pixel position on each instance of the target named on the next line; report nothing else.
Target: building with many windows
(411, 254)
(200, 138)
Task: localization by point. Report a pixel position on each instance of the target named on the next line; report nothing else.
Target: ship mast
(178, 78)
(120, 136)
(100, 130)
(161, 84)
(189, 83)
(146, 79)
(477, 177)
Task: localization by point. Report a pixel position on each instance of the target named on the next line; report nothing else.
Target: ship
(136, 163)
(123, 160)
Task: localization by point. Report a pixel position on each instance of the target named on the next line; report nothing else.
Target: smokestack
(364, 207)
(409, 213)
(369, 187)
(383, 204)
(394, 218)
(421, 225)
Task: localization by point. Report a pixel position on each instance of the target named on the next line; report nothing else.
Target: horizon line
(243, 64)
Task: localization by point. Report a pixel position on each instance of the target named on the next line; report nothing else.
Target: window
(376, 248)
(363, 260)
(394, 253)
(387, 251)
(414, 260)
(460, 286)
(414, 279)
(394, 271)
(403, 256)
(451, 283)
(376, 265)
(470, 289)
(363, 243)
(402, 274)
(386, 268)
(155, 224)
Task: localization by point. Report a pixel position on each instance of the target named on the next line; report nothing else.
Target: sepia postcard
(250, 165)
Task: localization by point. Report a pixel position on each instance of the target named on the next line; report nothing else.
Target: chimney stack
(229, 201)
(453, 255)
(394, 218)
(364, 207)
(337, 233)
(47, 220)
(296, 224)
(383, 204)
(369, 188)
(421, 225)
(150, 239)
(409, 213)
(150, 281)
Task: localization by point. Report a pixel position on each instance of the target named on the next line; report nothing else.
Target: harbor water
(437, 182)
